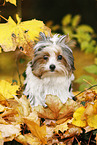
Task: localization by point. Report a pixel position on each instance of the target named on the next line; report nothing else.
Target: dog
(50, 71)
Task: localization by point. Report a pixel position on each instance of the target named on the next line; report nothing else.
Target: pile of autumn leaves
(57, 123)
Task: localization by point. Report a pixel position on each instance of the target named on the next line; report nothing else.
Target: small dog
(50, 71)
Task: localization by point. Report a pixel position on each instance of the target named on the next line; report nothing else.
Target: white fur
(37, 88)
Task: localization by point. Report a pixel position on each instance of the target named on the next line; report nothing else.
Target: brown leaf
(65, 136)
(54, 103)
(56, 110)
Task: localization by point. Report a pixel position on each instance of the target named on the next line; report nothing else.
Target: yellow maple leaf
(6, 30)
(11, 1)
(77, 117)
(95, 107)
(22, 34)
(7, 90)
(92, 114)
(92, 121)
(26, 33)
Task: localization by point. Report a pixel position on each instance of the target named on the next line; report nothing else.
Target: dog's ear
(67, 39)
(63, 39)
(70, 43)
(42, 36)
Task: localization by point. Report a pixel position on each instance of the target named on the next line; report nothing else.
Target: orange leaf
(36, 130)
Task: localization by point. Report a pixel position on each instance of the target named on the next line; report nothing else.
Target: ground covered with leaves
(74, 122)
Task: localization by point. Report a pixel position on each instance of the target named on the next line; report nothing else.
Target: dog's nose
(52, 67)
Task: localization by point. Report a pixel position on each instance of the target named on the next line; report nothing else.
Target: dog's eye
(59, 57)
(45, 57)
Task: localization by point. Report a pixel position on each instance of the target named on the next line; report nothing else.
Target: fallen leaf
(68, 135)
(2, 108)
(62, 127)
(9, 130)
(72, 131)
(36, 130)
(77, 117)
(28, 139)
(7, 89)
(56, 110)
(92, 121)
(87, 96)
(24, 105)
(32, 140)
(54, 103)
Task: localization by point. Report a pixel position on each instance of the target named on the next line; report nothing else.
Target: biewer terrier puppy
(50, 71)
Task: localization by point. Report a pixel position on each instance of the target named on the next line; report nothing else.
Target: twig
(89, 138)
(3, 18)
(85, 90)
(18, 69)
(79, 143)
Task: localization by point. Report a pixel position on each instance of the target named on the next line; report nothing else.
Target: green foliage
(83, 34)
(66, 20)
(85, 38)
(85, 81)
(91, 69)
(85, 77)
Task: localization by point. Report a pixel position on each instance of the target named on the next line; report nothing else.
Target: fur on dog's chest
(37, 89)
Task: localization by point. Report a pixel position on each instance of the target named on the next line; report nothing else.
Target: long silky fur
(40, 81)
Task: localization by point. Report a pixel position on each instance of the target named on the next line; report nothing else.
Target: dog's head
(53, 57)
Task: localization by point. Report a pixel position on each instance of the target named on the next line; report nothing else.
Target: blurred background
(53, 10)
(52, 13)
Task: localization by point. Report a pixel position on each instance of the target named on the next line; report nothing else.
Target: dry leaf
(62, 127)
(68, 135)
(36, 130)
(77, 117)
(55, 109)
(2, 108)
(92, 121)
(86, 115)
(72, 131)
(87, 96)
(24, 105)
(9, 130)
(28, 139)
(7, 90)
